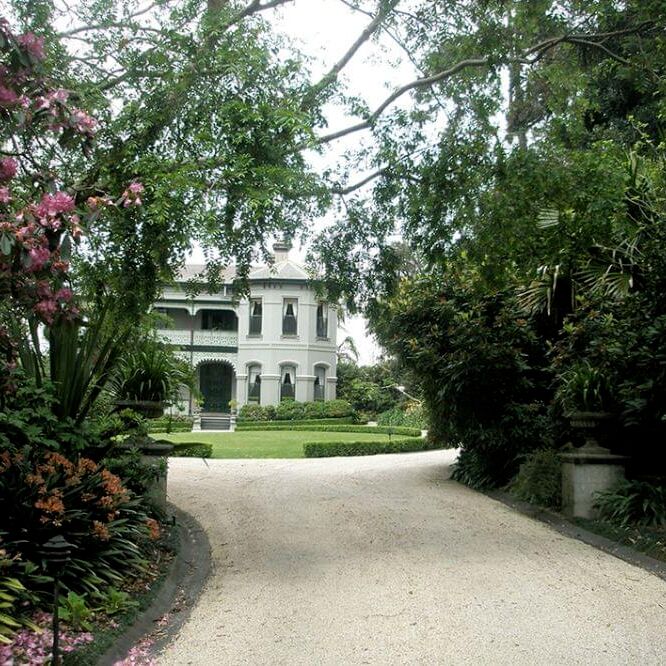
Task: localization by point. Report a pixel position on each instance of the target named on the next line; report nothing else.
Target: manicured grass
(268, 443)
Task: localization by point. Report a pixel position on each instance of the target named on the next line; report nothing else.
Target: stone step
(215, 422)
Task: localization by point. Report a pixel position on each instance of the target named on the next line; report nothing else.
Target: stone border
(178, 592)
(559, 523)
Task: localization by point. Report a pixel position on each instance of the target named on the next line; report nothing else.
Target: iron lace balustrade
(289, 325)
(255, 324)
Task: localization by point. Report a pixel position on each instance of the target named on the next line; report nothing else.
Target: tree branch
(536, 52)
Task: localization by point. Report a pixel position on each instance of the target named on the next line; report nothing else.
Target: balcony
(183, 338)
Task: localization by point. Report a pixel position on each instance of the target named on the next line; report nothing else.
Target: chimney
(281, 251)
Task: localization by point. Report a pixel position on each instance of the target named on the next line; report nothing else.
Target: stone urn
(590, 469)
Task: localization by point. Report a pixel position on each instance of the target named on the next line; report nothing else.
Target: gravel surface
(383, 560)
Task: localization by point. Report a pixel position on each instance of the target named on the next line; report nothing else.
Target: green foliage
(413, 417)
(137, 475)
(369, 388)
(315, 427)
(634, 503)
(152, 372)
(13, 596)
(539, 479)
(114, 602)
(270, 425)
(583, 387)
(291, 410)
(396, 445)
(170, 424)
(75, 611)
(192, 450)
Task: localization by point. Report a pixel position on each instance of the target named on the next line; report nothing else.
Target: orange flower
(34, 480)
(100, 531)
(52, 504)
(153, 528)
(5, 461)
(86, 465)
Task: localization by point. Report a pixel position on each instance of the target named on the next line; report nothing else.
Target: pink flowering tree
(41, 215)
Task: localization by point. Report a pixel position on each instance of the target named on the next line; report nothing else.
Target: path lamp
(56, 552)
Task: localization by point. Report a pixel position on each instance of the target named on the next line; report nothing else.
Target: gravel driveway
(383, 560)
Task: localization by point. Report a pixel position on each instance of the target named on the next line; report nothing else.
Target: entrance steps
(215, 421)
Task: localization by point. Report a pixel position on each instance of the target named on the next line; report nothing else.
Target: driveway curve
(384, 560)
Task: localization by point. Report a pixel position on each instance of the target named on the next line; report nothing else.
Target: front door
(215, 385)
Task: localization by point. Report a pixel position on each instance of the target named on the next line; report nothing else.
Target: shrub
(639, 503)
(378, 430)
(539, 480)
(414, 417)
(192, 450)
(170, 424)
(271, 425)
(45, 494)
(291, 410)
(396, 445)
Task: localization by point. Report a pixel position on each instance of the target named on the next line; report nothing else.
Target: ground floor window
(254, 384)
(288, 383)
(320, 383)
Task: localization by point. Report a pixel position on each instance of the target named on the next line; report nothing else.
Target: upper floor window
(256, 313)
(322, 320)
(320, 383)
(290, 316)
(288, 382)
(254, 384)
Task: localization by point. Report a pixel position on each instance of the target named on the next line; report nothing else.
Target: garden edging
(559, 523)
(178, 591)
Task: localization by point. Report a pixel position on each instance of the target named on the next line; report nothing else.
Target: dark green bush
(170, 424)
(270, 425)
(291, 410)
(634, 503)
(539, 480)
(412, 418)
(396, 445)
(192, 450)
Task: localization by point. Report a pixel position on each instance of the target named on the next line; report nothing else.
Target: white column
(241, 389)
(331, 388)
(270, 389)
(305, 388)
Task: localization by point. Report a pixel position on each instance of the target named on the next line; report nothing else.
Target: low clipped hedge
(285, 425)
(177, 424)
(378, 430)
(192, 450)
(396, 445)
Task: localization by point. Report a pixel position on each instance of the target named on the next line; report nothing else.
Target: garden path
(383, 560)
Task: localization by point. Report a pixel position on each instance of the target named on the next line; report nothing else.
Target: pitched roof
(281, 270)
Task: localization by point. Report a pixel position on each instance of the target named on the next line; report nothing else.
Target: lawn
(266, 443)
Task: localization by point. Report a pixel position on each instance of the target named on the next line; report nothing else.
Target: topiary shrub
(634, 503)
(289, 410)
(395, 445)
(539, 480)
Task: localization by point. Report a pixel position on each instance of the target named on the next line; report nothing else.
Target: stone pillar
(305, 388)
(270, 389)
(586, 472)
(331, 388)
(241, 390)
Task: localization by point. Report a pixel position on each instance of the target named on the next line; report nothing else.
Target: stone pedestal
(586, 472)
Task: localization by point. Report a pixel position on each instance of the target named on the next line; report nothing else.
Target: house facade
(278, 343)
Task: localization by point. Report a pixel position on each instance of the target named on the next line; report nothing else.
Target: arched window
(320, 383)
(288, 382)
(254, 384)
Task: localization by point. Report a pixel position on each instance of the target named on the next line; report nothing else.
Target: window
(290, 316)
(254, 384)
(288, 383)
(322, 320)
(256, 312)
(320, 383)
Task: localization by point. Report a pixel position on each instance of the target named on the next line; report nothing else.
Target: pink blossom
(131, 195)
(5, 197)
(64, 294)
(54, 204)
(46, 309)
(82, 122)
(7, 96)
(38, 257)
(33, 45)
(8, 168)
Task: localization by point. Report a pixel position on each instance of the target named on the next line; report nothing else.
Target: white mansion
(280, 342)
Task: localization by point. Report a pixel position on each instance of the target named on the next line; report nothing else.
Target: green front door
(215, 385)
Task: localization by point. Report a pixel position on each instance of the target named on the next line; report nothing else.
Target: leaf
(547, 218)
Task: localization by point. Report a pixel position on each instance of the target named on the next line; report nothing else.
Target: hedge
(378, 430)
(292, 410)
(178, 424)
(265, 425)
(396, 445)
(192, 450)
